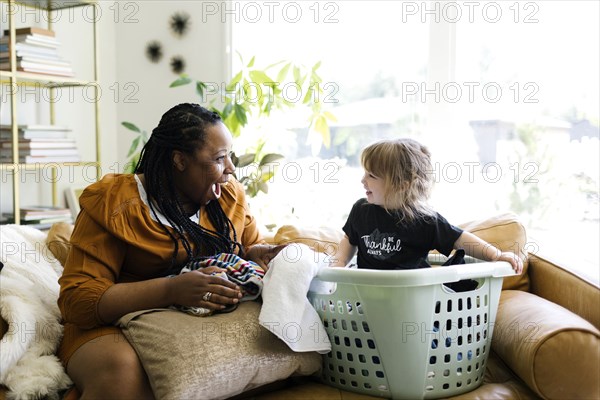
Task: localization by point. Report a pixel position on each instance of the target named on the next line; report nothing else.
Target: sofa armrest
(563, 287)
(553, 350)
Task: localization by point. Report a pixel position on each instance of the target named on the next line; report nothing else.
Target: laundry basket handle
(484, 269)
(415, 277)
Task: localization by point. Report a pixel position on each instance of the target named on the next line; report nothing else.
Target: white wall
(204, 49)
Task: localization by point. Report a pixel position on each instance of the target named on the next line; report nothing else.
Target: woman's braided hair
(183, 128)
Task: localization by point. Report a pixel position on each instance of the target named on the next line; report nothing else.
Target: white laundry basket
(402, 334)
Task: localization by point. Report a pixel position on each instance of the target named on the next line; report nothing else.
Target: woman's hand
(262, 254)
(200, 288)
(513, 259)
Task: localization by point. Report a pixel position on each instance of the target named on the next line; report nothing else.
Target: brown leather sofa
(546, 341)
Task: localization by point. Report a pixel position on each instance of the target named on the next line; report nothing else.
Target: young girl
(393, 228)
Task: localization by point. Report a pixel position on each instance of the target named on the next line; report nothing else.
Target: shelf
(31, 167)
(29, 79)
(50, 5)
(14, 78)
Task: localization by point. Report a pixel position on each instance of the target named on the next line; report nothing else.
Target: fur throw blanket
(28, 294)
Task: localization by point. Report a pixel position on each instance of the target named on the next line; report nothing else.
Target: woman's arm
(186, 289)
(89, 296)
(478, 248)
(344, 253)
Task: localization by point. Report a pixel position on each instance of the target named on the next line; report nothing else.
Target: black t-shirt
(383, 243)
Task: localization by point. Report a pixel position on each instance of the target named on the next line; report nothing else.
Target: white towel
(286, 311)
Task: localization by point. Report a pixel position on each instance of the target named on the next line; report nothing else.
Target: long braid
(183, 128)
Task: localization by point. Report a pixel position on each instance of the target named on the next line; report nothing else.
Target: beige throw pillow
(189, 357)
(58, 239)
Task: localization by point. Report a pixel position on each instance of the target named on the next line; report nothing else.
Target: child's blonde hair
(406, 169)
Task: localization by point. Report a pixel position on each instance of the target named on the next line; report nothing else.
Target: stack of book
(36, 51)
(42, 217)
(38, 144)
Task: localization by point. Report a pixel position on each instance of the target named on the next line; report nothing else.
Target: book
(42, 223)
(30, 48)
(5, 55)
(46, 72)
(40, 159)
(36, 40)
(40, 211)
(40, 143)
(7, 153)
(38, 127)
(26, 66)
(35, 131)
(31, 30)
(40, 60)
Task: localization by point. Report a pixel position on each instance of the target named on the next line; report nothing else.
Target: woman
(136, 230)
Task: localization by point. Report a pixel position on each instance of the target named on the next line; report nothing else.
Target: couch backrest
(561, 286)
(507, 233)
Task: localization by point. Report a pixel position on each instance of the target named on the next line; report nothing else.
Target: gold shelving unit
(15, 79)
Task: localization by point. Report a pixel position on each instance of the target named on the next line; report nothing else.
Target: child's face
(374, 187)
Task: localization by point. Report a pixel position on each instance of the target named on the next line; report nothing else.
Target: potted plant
(252, 95)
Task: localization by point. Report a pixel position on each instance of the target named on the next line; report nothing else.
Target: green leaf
(283, 72)
(131, 126)
(240, 114)
(234, 159)
(274, 64)
(268, 107)
(252, 189)
(316, 66)
(263, 187)
(226, 111)
(183, 80)
(234, 81)
(309, 94)
(129, 167)
(251, 63)
(240, 56)
(245, 160)
(270, 158)
(259, 146)
(322, 128)
(200, 86)
(297, 73)
(266, 173)
(133, 146)
(330, 116)
(259, 77)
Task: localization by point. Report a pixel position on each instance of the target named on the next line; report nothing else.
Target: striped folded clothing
(248, 275)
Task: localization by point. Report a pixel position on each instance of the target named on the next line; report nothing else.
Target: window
(505, 94)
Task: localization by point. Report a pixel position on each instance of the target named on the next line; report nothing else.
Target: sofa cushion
(323, 240)
(58, 239)
(508, 234)
(215, 357)
(554, 351)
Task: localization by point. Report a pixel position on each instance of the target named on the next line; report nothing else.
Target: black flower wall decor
(154, 51)
(177, 64)
(180, 23)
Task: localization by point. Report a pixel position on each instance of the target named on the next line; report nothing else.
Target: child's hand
(514, 260)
